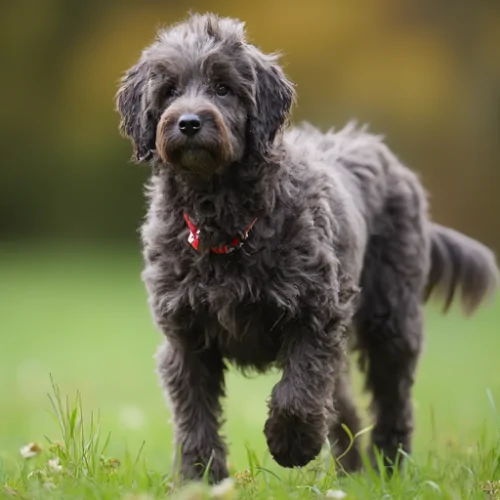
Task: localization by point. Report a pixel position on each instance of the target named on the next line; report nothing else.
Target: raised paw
(295, 439)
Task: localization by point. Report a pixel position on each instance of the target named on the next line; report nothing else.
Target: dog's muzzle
(194, 142)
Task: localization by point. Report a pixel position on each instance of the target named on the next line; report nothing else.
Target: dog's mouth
(192, 155)
(195, 159)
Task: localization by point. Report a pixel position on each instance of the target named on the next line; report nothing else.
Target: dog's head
(201, 98)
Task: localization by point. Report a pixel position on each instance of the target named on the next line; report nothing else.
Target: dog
(266, 246)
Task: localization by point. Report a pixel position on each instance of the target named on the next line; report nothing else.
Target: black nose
(189, 124)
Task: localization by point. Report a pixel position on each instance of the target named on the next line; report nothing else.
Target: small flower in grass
(224, 490)
(30, 450)
(492, 488)
(54, 465)
(244, 478)
(339, 494)
(110, 463)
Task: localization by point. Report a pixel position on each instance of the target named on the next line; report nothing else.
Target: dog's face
(201, 98)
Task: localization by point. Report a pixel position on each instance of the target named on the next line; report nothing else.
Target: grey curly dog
(273, 248)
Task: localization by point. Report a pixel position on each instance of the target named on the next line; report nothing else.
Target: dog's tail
(458, 261)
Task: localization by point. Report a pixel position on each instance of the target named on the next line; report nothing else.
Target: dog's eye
(222, 90)
(169, 93)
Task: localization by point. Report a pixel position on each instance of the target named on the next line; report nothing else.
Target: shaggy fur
(343, 243)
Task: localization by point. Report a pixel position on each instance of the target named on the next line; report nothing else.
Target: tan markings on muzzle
(167, 120)
(226, 147)
(200, 107)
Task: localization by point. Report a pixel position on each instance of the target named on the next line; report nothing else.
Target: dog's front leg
(301, 403)
(194, 382)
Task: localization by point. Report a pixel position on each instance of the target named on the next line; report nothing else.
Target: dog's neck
(223, 205)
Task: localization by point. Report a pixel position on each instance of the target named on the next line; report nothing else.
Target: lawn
(81, 316)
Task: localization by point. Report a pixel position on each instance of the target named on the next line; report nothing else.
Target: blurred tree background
(426, 74)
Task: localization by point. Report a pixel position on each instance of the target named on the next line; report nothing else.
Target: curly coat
(342, 243)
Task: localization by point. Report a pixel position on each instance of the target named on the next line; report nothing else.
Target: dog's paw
(386, 446)
(213, 469)
(294, 440)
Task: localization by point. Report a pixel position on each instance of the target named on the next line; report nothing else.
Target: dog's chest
(248, 334)
(240, 307)
(248, 309)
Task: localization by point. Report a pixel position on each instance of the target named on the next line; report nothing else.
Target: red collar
(237, 242)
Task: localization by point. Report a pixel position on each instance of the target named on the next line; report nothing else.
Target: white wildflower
(223, 490)
(54, 465)
(338, 494)
(30, 450)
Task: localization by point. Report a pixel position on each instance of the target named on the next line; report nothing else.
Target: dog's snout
(189, 124)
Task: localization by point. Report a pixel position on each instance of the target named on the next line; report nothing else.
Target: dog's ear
(136, 121)
(274, 95)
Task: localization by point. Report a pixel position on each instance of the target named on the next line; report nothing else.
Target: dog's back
(389, 195)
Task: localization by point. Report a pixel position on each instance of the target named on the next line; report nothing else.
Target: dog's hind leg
(389, 320)
(347, 452)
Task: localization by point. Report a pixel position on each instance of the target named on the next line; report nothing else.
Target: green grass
(81, 315)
